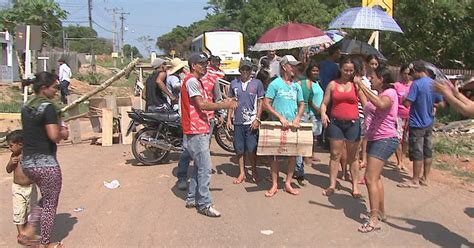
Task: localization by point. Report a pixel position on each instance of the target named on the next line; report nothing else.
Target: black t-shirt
(154, 95)
(35, 138)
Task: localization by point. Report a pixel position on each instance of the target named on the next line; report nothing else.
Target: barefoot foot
(291, 190)
(271, 192)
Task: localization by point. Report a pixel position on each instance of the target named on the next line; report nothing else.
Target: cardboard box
(274, 141)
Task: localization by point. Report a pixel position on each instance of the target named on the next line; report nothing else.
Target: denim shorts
(344, 130)
(382, 148)
(420, 143)
(245, 139)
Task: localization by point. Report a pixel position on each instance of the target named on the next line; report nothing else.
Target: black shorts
(344, 130)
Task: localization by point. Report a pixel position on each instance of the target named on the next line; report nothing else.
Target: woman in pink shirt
(402, 87)
(382, 140)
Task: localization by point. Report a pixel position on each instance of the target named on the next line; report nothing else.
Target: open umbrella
(358, 47)
(291, 35)
(335, 35)
(365, 18)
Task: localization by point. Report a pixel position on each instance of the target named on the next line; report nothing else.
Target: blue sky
(147, 17)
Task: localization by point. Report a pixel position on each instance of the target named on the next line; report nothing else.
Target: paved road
(148, 211)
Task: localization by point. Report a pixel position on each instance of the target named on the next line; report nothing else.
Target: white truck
(228, 45)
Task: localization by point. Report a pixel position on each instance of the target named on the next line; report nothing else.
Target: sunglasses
(56, 86)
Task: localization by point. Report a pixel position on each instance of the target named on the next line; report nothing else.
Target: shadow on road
(352, 208)
(391, 172)
(433, 232)
(469, 212)
(63, 225)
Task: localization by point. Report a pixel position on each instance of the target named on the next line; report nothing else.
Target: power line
(100, 26)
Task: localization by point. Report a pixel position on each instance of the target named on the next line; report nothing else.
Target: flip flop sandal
(294, 192)
(328, 192)
(367, 227)
(408, 185)
(59, 245)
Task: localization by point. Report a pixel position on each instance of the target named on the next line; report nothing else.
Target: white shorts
(21, 202)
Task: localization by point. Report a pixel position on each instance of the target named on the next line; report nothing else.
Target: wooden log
(456, 124)
(124, 121)
(107, 126)
(10, 116)
(70, 118)
(104, 85)
(74, 125)
(124, 101)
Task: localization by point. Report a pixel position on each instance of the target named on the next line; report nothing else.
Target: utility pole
(122, 19)
(89, 2)
(114, 38)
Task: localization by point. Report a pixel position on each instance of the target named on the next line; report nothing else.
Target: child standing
(21, 186)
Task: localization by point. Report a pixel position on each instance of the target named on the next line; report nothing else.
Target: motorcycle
(223, 136)
(161, 135)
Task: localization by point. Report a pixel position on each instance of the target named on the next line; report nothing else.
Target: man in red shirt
(195, 123)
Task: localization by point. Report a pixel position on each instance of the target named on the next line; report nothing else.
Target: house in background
(6, 58)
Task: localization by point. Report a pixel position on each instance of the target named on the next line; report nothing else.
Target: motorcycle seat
(163, 116)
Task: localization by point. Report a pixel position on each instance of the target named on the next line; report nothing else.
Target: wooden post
(111, 103)
(74, 125)
(107, 126)
(124, 121)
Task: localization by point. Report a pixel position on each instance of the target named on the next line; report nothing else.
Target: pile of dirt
(86, 69)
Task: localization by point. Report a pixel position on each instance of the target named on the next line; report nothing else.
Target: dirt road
(148, 210)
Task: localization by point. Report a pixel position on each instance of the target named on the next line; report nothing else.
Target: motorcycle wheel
(225, 138)
(144, 153)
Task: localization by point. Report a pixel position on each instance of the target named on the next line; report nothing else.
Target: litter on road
(112, 185)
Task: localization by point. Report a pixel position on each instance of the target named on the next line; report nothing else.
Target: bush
(91, 78)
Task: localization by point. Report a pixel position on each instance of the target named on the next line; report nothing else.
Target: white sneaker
(210, 212)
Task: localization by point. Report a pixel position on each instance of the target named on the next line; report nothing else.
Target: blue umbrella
(335, 35)
(365, 18)
(353, 47)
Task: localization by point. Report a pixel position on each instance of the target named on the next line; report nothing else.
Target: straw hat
(175, 65)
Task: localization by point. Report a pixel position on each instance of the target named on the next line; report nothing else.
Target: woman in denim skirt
(382, 140)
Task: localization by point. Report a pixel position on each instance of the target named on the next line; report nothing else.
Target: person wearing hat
(173, 80)
(246, 117)
(64, 79)
(422, 100)
(284, 101)
(156, 90)
(195, 124)
(214, 94)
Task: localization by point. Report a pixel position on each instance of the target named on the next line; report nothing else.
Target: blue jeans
(198, 192)
(185, 157)
(299, 168)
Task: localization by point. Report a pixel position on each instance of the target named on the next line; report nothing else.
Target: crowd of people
(358, 106)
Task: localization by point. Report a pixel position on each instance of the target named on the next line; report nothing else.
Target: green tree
(82, 37)
(45, 13)
(128, 50)
(438, 31)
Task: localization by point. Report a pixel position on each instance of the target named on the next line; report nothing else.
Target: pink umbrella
(291, 35)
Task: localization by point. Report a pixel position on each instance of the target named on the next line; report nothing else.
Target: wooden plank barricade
(277, 142)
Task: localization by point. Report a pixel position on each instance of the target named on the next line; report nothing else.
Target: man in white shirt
(64, 79)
